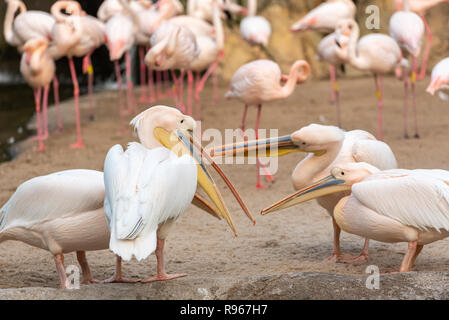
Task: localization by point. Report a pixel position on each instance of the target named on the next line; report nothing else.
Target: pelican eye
(342, 173)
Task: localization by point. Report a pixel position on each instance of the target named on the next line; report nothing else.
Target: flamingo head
(116, 48)
(32, 45)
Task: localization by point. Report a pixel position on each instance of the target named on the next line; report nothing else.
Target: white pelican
(63, 212)
(60, 212)
(388, 206)
(325, 145)
(151, 183)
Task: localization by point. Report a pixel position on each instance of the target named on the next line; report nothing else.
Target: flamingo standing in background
(121, 30)
(440, 79)
(327, 51)
(377, 53)
(173, 47)
(259, 82)
(407, 29)
(324, 18)
(211, 52)
(325, 145)
(203, 9)
(420, 7)
(38, 69)
(26, 26)
(76, 35)
(388, 206)
(256, 30)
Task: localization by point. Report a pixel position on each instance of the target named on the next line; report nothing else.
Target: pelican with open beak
(151, 183)
(325, 145)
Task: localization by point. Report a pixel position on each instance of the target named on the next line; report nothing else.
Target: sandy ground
(293, 241)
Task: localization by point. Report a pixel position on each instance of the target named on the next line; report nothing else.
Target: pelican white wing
(57, 195)
(143, 189)
(417, 198)
(374, 152)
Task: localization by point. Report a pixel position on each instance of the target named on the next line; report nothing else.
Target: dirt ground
(294, 241)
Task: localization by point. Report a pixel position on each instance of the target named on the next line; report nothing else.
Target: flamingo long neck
(168, 9)
(218, 25)
(252, 8)
(128, 10)
(8, 32)
(293, 77)
(309, 168)
(56, 9)
(355, 60)
(405, 5)
(36, 58)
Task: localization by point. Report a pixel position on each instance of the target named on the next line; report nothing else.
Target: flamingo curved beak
(323, 187)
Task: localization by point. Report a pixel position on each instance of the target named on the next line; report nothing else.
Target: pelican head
(314, 138)
(162, 126)
(342, 178)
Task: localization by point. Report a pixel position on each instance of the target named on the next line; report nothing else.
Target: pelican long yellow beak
(182, 143)
(323, 187)
(270, 147)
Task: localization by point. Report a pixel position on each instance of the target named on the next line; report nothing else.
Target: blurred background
(16, 98)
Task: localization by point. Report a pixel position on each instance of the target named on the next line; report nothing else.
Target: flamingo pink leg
(197, 95)
(378, 79)
(427, 48)
(181, 89)
(76, 91)
(122, 111)
(158, 85)
(215, 85)
(268, 175)
(151, 85)
(413, 87)
(189, 92)
(143, 92)
(88, 68)
(332, 75)
(175, 87)
(132, 107)
(335, 92)
(44, 113)
(406, 93)
(167, 89)
(259, 164)
(37, 102)
(58, 107)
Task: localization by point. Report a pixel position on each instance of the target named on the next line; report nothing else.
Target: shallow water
(16, 109)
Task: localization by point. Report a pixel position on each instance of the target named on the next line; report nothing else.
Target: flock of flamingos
(130, 207)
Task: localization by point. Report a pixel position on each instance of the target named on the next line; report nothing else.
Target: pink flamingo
(173, 47)
(26, 26)
(420, 7)
(407, 28)
(327, 51)
(440, 78)
(256, 30)
(121, 31)
(259, 82)
(203, 9)
(377, 53)
(38, 69)
(211, 52)
(324, 18)
(76, 35)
